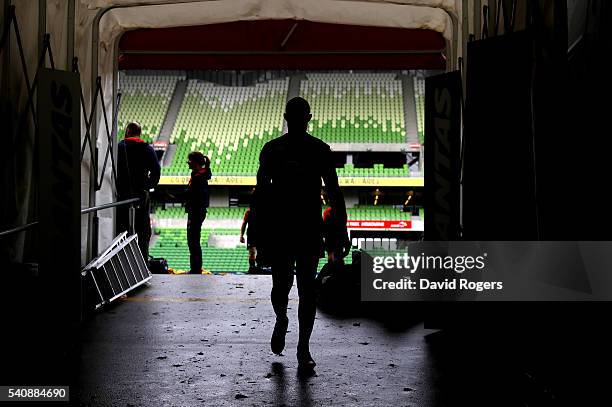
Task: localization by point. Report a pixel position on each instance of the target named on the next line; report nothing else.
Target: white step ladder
(118, 270)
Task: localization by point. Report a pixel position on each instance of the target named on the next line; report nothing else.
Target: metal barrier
(90, 119)
(96, 220)
(93, 209)
(11, 22)
(96, 179)
(17, 229)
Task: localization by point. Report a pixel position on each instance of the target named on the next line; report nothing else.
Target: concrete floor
(204, 340)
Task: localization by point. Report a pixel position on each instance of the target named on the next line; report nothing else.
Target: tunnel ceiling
(259, 45)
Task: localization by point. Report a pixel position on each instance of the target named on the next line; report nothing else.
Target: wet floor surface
(204, 340)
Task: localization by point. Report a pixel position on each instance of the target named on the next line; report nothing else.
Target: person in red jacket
(197, 198)
(246, 223)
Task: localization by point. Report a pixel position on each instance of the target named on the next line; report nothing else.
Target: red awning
(281, 44)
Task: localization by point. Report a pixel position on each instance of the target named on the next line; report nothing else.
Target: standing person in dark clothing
(289, 224)
(246, 223)
(196, 203)
(137, 172)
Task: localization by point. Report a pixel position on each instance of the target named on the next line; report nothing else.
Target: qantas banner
(442, 144)
(59, 211)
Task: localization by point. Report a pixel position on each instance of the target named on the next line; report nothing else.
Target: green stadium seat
(419, 96)
(145, 99)
(356, 107)
(229, 124)
(171, 243)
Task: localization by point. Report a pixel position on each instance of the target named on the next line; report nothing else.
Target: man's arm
(259, 199)
(263, 173)
(334, 193)
(336, 228)
(243, 227)
(154, 168)
(264, 179)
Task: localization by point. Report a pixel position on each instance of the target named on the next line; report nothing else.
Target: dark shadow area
(517, 354)
(339, 297)
(303, 388)
(393, 316)
(41, 345)
(279, 395)
(89, 313)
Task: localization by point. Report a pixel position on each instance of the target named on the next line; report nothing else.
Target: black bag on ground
(158, 265)
(338, 284)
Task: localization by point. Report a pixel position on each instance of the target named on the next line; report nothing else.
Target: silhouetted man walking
(289, 224)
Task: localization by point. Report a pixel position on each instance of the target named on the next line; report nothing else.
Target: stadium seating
(378, 170)
(145, 99)
(419, 96)
(171, 243)
(355, 107)
(230, 124)
(358, 212)
(379, 212)
(213, 213)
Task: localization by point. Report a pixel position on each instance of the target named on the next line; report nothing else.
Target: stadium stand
(378, 170)
(360, 212)
(171, 243)
(355, 107)
(369, 212)
(145, 99)
(230, 124)
(419, 96)
(213, 213)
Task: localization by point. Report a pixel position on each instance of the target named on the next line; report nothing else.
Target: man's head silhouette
(297, 114)
(133, 129)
